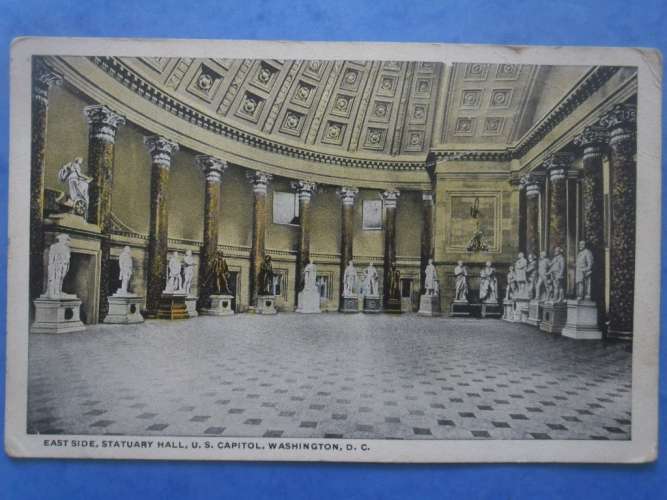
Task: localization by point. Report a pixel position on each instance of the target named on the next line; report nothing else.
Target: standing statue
(394, 282)
(461, 275)
(542, 286)
(520, 274)
(488, 284)
(265, 277)
(584, 272)
(174, 278)
(557, 275)
(217, 280)
(125, 265)
(510, 289)
(371, 281)
(188, 271)
(430, 279)
(349, 280)
(59, 257)
(310, 277)
(77, 184)
(531, 269)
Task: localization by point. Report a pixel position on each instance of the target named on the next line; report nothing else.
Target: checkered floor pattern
(330, 376)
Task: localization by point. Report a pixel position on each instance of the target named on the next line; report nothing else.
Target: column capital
(43, 77)
(592, 139)
(390, 198)
(620, 121)
(557, 165)
(259, 180)
(161, 149)
(304, 189)
(103, 122)
(347, 194)
(532, 184)
(213, 167)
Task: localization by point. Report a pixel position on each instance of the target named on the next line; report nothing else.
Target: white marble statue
(349, 280)
(174, 278)
(125, 264)
(557, 275)
(531, 271)
(77, 183)
(542, 285)
(59, 257)
(520, 274)
(371, 281)
(430, 279)
(584, 272)
(488, 284)
(461, 275)
(310, 277)
(188, 272)
(510, 289)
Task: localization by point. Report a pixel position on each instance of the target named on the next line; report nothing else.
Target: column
(557, 166)
(42, 79)
(260, 182)
(523, 244)
(213, 169)
(532, 186)
(593, 141)
(572, 230)
(620, 122)
(161, 150)
(304, 191)
(102, 124)
(427, 236)
(347, 196)
(390, 202)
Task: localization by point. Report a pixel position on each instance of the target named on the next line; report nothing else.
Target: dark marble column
(347, 196)
(161, 150)
(213, 169)
(522, 246)
(621, 124)
(532, 186)
(390, 202)
(260, 182)
(42, 79)
(427, 236)
(102, 124)
(557, 166)
(304, 191)
(593, 140)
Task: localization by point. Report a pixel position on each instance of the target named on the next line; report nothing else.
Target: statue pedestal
(521, 309)
(460, 308)
(172, 306)
(491, 310)
(57, 315)
(534, 313)
(124, 308)
(309, 302)
(508, 310)
(191, 306)
(221, 305)
(349, 304)
(429, 305)
(372, 304)
(393, 306)
(582, 320)
(266, 304)
(554, 316)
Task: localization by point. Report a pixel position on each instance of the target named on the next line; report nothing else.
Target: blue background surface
(564, 22)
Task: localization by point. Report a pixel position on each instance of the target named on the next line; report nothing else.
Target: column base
(393, 306)
(554, 317)
(534, 313)
(309, 302)
(266, 304)
(349, 304)
(124, 309)
(57, 315)
(372, 304)
(460, 308)
(172, 306)
(191, 306)
(619, 334)
(491, 310)
(582, 320)
(221, 305)
(429, 305)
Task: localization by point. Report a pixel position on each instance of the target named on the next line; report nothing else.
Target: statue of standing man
(584, 272)
(461, 275)
(349, 280)
(59, 257)
(430, 279)
(520, 274)
(265, 277)
(125, 265)
(188, 272)
(557, 273)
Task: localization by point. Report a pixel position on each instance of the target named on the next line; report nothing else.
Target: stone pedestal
(582, 320)
(57, 315)
(191, 305)
(491, 310)
(534, 313)
(221, 305)
(372, 304)
(554, 316)
(309, 302)
(429, 305)
(521, 310)
(460, 308)
(393, 306)
(172, 306)
(349, 304)
(124, 309)
(508, 310)
(266, 304)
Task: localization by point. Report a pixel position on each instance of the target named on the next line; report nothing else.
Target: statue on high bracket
(371, 287)
(125, 266)
(488, 285)
(59, 258)
(188, 272)
(394, 282)
(531, 269)
(265, 277)
(217, 280)
(557, 275)
(542, 285)
(584, 272)
(349, 280)
(520, 274)
(77, 184)
(174, 278)
(461, 275)
(430, 279)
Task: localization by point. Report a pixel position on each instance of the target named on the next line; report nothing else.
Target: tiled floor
(331, 375)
